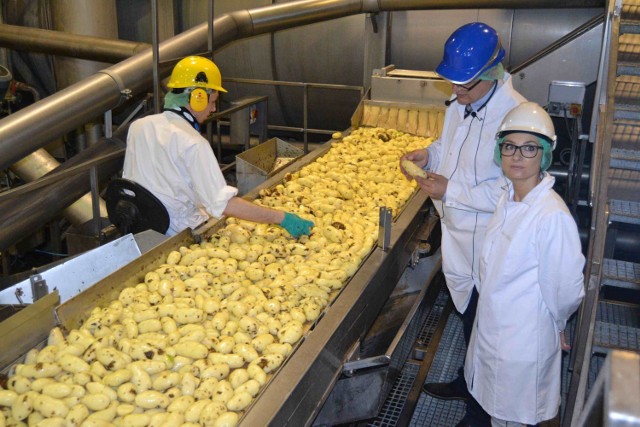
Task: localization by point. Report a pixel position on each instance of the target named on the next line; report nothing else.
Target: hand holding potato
(434, 185)
(412, 169)
(419, 157)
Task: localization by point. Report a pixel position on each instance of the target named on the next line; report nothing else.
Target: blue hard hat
(470, 50)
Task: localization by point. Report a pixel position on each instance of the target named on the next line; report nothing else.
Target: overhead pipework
(34, 126)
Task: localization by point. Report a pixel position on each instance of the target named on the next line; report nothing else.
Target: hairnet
(494, 73)
(547, 155)
(174, 100)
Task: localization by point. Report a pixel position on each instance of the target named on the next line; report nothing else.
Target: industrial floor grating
(621, 273)
(617, 325)
(449, 357)
(397, 397)
(429, 325)
(395, 402)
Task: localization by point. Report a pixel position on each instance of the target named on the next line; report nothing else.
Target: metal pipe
(34, 126)
(390, 5)
(65, 44)
(108, 50)
(40, 163)
(156, 56)
(43, 204)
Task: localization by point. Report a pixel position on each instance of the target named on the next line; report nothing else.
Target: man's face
(211, 107)
(471, 92)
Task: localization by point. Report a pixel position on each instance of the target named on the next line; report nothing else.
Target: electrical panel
(566, 99)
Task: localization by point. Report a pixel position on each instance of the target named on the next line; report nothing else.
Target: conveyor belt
(294, 395)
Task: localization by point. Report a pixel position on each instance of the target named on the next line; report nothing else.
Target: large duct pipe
(40, 163)
(34, 126)
(18, 219)
(66, 44)
(96, 18)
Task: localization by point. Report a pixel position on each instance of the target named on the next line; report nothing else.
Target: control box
(566, 99)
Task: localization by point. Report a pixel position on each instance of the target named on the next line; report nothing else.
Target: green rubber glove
(295, 225)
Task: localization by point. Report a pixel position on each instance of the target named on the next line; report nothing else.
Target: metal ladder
(605, 323)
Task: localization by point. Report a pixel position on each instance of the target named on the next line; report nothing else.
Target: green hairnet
(493, 73)
(547, 155)
(174, 100)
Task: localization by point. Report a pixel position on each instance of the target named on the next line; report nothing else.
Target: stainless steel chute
(295, 394)
(297, 391)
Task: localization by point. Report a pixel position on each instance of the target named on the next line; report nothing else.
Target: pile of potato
(198, 339)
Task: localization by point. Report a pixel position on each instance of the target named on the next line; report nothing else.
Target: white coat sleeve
(560, 269)
(207, 180)
(435, 154)
(477, 198)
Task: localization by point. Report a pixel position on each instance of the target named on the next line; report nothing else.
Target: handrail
(305, 102)
(593, 276)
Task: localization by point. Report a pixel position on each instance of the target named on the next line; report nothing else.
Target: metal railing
(584, 334)
(305, 130)
(613, 400)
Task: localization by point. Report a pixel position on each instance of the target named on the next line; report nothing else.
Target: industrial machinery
(331, 348)
(350, 360)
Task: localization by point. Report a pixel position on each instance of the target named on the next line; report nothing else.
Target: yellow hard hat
(196, 71)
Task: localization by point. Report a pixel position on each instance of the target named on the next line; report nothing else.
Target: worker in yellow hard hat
(167, 155)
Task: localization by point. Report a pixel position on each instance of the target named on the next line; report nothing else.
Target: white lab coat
(531, 282)
(464, 155)
(168, 157)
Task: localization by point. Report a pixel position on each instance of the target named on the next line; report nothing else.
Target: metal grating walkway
(395, 401)
(617, 326)
(449, 357)
(625, 159)
(622, 274)
(429, 325)
(624, 211)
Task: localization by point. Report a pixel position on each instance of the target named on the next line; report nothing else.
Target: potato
(198, 337)
(413, 169)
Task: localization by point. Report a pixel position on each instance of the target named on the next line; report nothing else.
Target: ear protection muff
(198, 100)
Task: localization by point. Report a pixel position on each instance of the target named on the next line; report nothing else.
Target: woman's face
(521, 157)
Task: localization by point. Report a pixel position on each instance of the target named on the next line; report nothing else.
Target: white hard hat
(529, 117)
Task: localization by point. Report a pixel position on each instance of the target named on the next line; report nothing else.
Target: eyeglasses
(468, 88)
(528, 151)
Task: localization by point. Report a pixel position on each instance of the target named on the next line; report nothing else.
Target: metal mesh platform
(624, 211)
(394, 404)
(617, 326)
(625, 159)
(396, 400)
(622, 274)
(626, 135)
(449, 357)
(429, 325)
